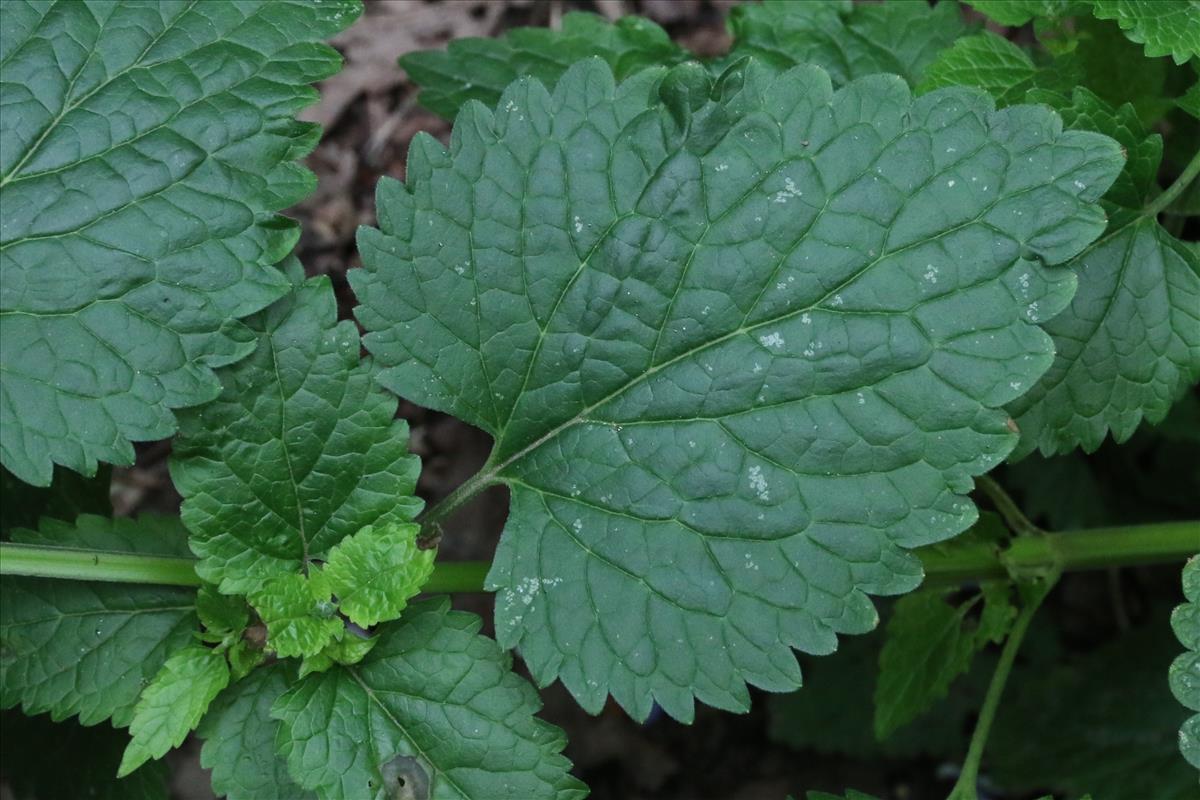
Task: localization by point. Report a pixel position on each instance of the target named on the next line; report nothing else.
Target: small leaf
(994, 64)
(1165, 27)
(348, 650)
(299, 614)
(376, 571)
(219, 613)
(432, 698)
(848, 41)
(300, 450)
(239, 739)
(173, 703)
(928, 646)
(480, 69)
(74, 647)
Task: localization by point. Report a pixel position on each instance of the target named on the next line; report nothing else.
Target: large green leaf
(70, 647)
(299, 451)
(1165, 27)
(847, 40)
(144, 151)
(45, 760)
(480, 69)
(738, 350)
(239, 739)
(1185, 669)
(433, 703)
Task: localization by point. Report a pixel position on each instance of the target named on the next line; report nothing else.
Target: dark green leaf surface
(239, 740)
(736, 359)
(87, 649)
(1105, 722)
(1185, 670)
(930, 643)
(1019, 12)
(143, 152)
(1128, 346)
(33, 750)
(848, 40)
(299, 451)
(480, 69)
(433, 700)
(173, 703)
(1165, 27)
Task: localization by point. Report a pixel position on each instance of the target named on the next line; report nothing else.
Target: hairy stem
(1184, 180)
(965, 786)
(1095, 548)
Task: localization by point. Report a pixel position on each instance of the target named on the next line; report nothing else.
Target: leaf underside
(88, 649)
(737, 354)
(144, 151)
(433, 703)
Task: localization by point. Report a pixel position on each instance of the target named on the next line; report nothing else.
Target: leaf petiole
(1158, 204)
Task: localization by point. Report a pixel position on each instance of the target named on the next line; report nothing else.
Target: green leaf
(829, 715)
(736, 360)
(848, 41)
(239, 739)
(1190, 101)
(1128, 346)
(996, 65)
(434, 703)
(299, 614)
(219, 613)
(348, 650)
(1105, 722)
(1019, 12)
(1185, 670)
(74, 648)
(850, 795)
(480, 69)
(376, 571)
(1115, 69)
(33, 750)
(145, 150)
(300, 450)
(929, 644)
(1165, 27)
(173, 704)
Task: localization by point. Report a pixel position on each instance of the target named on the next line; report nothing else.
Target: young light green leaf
(32, 750)
(347, 650)
(1185, 670)
(848, 40)
(87, 649)
(1165, 27)
(1019, 12)
(996, 65)
(480, 69)
(738, 350)
(145, 149)
(173, 704)
(298, 611)
(239, 739)
(930, 643)
(433, 701)
(376, 571)
(298, 452)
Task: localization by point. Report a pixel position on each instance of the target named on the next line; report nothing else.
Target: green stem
(1013, 516)
(1175, 189)
(968, 779)
(1095, 548)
